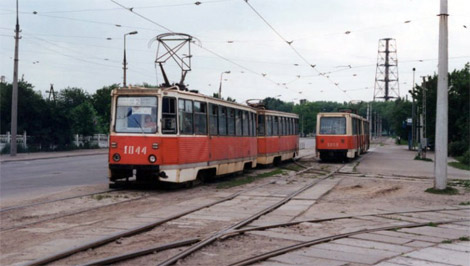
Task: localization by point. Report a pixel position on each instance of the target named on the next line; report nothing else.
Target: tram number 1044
(135, 150)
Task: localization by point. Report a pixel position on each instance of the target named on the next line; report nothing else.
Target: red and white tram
(341, 135)
(278, 138)
(176, 136)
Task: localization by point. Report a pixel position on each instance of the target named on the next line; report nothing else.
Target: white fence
(101, 140)
(20, 140)
(98, 139)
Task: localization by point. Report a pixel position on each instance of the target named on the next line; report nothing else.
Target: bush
(457, 148)
(19, 149)
(466, 158)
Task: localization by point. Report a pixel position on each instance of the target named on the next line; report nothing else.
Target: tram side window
(253, 123)
(186, 116)
(354, 126)
(222, 120)
(289, 126)
(213, 113)
(231, 122)
(296, 126)
(168, 115)
(200, 118)
(286, 126)
(333, 125)
(261, 125)
(282, 129)
(283, 126)
(238, 122)
(275, 125)
(269, 125)
(246, 122)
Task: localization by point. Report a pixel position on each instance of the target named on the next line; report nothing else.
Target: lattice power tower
(386, 76)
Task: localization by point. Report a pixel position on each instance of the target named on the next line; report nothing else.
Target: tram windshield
(136, 114)
(333, 125)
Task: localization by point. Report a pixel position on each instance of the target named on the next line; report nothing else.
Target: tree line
(53, 123)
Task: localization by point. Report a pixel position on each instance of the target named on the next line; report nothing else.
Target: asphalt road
(31, 178)
(35, 177)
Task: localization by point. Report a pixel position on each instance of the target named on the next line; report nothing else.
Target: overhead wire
(94, 62)
(289, 43)
(192, 3)
(264, 75)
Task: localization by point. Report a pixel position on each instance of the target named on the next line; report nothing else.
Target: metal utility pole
(124, 62)
(370, 121)
(386, 75)
(440, 162)
(220, 84)
(423, 124)
(14, 93)
(413, 113)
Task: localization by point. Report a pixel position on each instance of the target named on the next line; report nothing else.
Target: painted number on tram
(135, 150)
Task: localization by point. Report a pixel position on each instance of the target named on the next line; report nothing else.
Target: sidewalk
(48, 155)
(392, 159)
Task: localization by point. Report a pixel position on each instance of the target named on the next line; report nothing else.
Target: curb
(52, 156)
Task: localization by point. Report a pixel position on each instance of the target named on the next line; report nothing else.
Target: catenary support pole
(14, 93)
(440, 162)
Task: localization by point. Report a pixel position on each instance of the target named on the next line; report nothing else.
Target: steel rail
(141, 252)
(261, 228)
(284, 250)
(246, 221)
(133, 231)
(71, 214)
(51, 201)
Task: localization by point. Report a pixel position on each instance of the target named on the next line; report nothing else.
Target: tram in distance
(177, 136)
(341, 135)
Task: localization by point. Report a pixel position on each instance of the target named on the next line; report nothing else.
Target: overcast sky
(77, 44)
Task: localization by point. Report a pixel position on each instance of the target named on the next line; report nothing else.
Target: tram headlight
(152, 158)
(116, 157)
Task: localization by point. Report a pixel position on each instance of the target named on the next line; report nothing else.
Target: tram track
(277, 252)
(56, 200)
(228, 231)
(55, 217)
(141, 229)
(135, 230)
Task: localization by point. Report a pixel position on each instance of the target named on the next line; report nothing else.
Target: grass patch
(247, 179)
(293, 167)
(432, 224)
(447, 191)
(464, 238)
(101, 196)
(464, 203)
(268, 174)
(460, 165)
(446, 241)
(422, 159)
(460, 183)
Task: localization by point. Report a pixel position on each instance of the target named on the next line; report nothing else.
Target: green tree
(83, 119)
(101, 100)
(459, 108)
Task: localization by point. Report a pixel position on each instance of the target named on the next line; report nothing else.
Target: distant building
(302, 101)
(2, 79)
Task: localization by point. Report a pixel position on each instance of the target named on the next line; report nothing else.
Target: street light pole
(124, 63)
(14, 93)
(220, 85)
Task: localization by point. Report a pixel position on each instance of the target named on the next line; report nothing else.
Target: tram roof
(174, 90)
